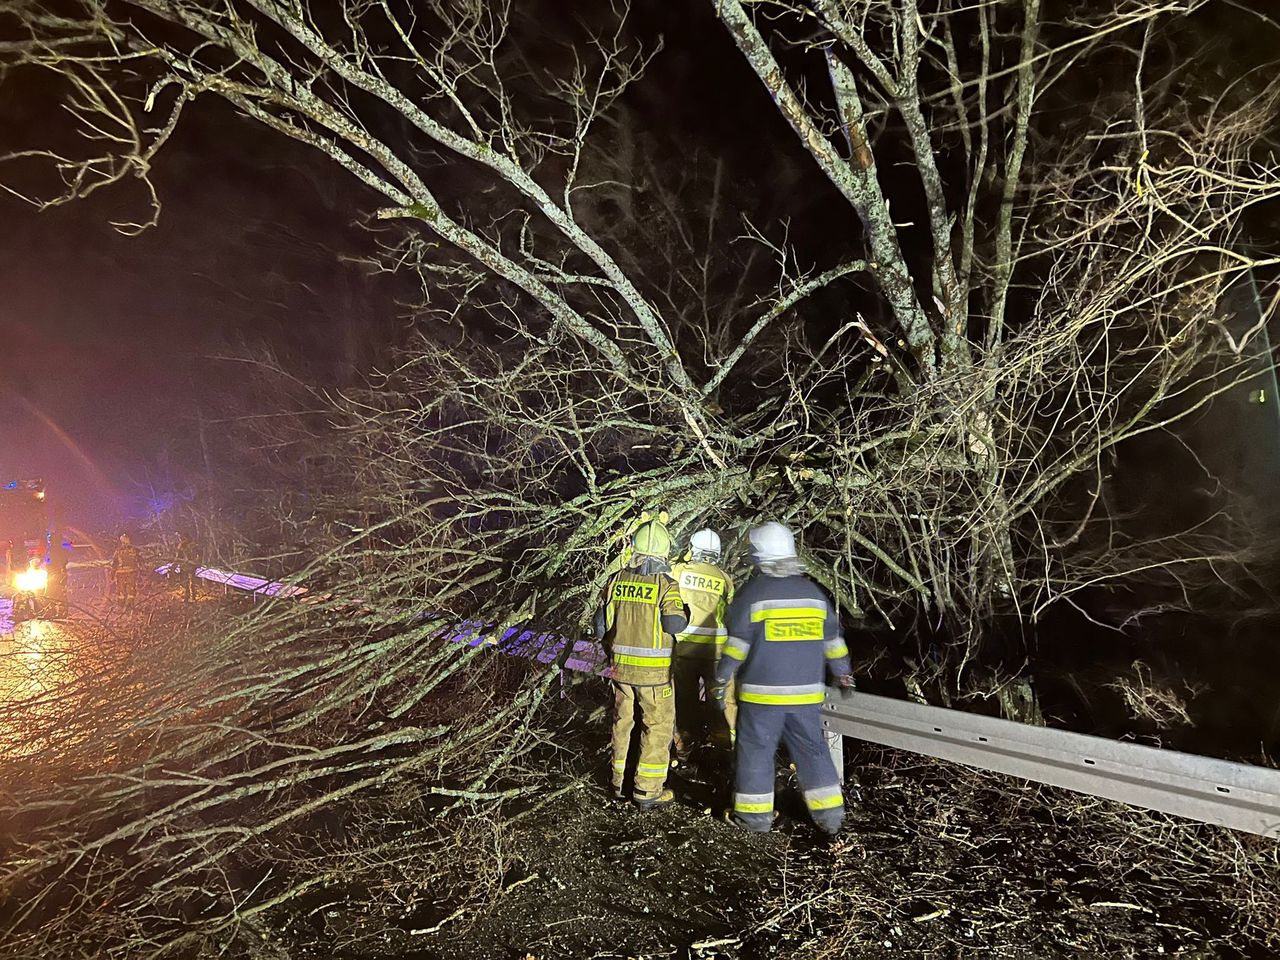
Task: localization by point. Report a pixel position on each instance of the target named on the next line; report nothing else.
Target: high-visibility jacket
(784, 634)
(641, 612)
(125, 559)
(706, 590)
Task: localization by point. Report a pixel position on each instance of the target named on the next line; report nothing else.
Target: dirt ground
(937, 861)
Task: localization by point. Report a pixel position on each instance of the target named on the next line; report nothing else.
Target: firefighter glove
(717, 695)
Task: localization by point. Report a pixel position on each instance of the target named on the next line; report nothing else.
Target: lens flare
(31, 581)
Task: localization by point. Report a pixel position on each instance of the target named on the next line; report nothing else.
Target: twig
(439, 926)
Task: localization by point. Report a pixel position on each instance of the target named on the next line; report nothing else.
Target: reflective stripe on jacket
(706, 590)
(634, 606)
(784, 634)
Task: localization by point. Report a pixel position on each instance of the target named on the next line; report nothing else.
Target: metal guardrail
(1235, 795)
(242, 581)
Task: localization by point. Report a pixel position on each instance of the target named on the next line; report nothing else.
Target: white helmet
(772, 541)
(705, 541)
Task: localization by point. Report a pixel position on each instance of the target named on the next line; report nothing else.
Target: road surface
(49, 669)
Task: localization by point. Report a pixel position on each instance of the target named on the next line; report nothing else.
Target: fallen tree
(933, 400)
(939, 426)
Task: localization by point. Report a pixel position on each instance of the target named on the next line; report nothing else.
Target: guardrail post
(835, 743)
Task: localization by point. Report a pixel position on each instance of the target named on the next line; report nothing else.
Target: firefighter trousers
(652, 709)
(760, 728)
(697, 717)
(126, 586)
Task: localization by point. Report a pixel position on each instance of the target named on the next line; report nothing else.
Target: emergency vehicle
(25, 522)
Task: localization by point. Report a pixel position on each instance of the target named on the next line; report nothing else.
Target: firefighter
(186, 563)
(641, 612)
(783, 635)
(58, 591)
(124, 572)
(706, 590)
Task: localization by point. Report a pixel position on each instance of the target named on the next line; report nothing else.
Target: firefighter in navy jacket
(784, 636)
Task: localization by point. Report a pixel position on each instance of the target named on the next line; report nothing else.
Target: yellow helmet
(651, 539)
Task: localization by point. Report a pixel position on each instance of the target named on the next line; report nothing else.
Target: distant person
(706, 589)
(641, 612)
(124, 572)
(59, 584)
(784, 635)
(186, 563)
(8, 562)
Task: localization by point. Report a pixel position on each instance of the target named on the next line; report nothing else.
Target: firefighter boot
(663, 799)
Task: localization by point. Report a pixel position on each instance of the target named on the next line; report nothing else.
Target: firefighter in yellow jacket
(706, 590)
(124, 572)
(641, 612)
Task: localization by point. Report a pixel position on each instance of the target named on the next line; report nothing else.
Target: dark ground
(938, 861)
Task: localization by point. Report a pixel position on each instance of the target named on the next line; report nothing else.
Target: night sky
(108, 343)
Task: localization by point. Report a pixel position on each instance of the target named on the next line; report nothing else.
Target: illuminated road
(37, 658)
(53, 672)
